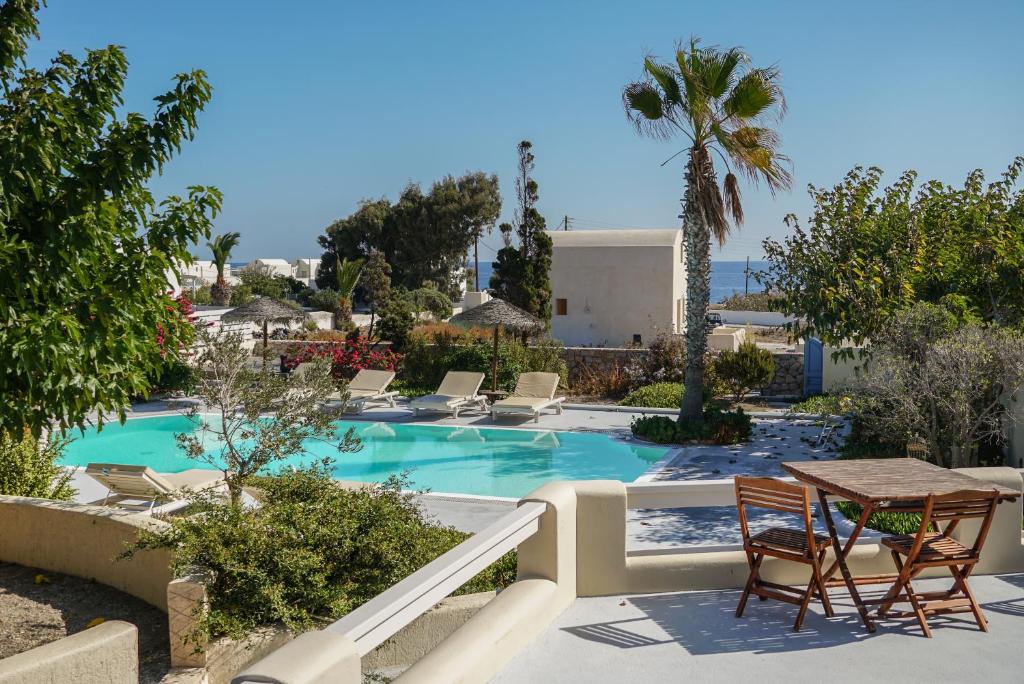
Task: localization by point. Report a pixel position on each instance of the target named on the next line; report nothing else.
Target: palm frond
(733, 203)
(347, 276)
(755, 93)
(666, 79)
(645, 109)
(701, 174)
(754, 150)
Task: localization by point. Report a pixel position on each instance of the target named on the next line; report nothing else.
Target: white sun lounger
(137, 487)
(367, 386)
(457, 391)
(534, 392)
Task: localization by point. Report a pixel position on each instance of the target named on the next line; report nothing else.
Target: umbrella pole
(494, 361)
(265, 345)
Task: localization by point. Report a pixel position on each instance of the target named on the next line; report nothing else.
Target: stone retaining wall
(600, 359)
(789, 376)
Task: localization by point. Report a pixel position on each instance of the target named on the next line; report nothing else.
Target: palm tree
(719, 103)
(346, 275)
(220, 292)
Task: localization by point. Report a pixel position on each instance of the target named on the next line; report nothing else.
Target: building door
(814, 358)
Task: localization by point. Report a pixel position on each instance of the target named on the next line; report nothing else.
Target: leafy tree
(720, 104)
(84, 248)
(423, 236)
(258, 418)
(522, 276)
(428, 299)
(221, 248)
(870, 254)
(376, 284)
(929, 377)
(482, 203)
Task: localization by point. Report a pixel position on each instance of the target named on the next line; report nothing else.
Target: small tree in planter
(745, 369)
(259, 418)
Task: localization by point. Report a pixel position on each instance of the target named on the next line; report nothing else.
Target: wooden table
(895, 484)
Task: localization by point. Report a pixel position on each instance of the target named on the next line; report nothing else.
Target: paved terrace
(694, 637)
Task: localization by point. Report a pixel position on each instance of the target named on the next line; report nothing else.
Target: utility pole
(565, 223)
(746, 278)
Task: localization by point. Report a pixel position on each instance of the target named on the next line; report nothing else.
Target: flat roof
(626, 237)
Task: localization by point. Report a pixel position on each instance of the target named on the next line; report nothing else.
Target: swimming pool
(463, 460)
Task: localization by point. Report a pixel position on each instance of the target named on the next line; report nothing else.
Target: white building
(616, 287)
(304, 270)
(200, 273)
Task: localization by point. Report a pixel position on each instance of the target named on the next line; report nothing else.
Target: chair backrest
(371, 380)
(537, 385)
(129, 480)
(951, 508)
(460, 384)
(776, 495)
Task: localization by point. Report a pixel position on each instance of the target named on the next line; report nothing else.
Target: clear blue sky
(319, 104)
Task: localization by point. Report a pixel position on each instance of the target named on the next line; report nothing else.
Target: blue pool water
(464, 460)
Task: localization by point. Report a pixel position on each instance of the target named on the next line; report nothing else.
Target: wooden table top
(874, 480)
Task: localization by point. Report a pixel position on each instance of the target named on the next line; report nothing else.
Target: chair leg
(918, 610)
(808, 595)
(897, 586)
(755, 564)
(960, 577)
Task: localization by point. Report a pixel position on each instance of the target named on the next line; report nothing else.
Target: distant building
(616, 287)
(200, 273)
(304, 270)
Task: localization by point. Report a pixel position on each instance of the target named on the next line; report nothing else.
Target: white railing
(383, 616)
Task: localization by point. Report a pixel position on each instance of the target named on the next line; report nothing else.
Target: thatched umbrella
(264, 310)
(497, 313)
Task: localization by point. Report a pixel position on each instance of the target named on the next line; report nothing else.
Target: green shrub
(28, 468)
(323, 300)
(241, 295)
(886, 522)
(718, 427)
(395, 320)
(264, 284)
(658, 395)
(437, 304)
(201, 295)
(754, 301)
(175, 376)
(312, 551)
(745, 369)
(822, 404)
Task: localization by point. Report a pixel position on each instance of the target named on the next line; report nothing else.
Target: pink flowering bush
(347, 357)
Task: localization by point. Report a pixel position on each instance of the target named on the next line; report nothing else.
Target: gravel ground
(34, 614)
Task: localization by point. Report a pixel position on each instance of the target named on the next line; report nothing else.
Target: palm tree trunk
(697, 245)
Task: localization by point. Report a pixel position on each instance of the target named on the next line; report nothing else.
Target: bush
(719, 427)
(347, 357)
(394, 321)
(323, 300)
(658, 395)
(432, 332)
(437, 304)
(755, 301)
(201, 295)
(885, 522)
(665, 361)
(612, 383)
(264, 284)
(745, 369)
(823, 404)
(312, 551)
(175, 376)
(241, 295)
(29, 469)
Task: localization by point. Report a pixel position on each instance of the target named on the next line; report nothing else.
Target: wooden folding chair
(797, 545)
(933, 547)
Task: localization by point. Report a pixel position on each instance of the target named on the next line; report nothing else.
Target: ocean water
(727, 277)
(464, 460)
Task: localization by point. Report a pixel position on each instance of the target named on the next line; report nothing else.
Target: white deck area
(694, 637)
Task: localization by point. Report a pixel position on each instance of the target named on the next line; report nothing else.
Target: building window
(561, 307)
(638, 340)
